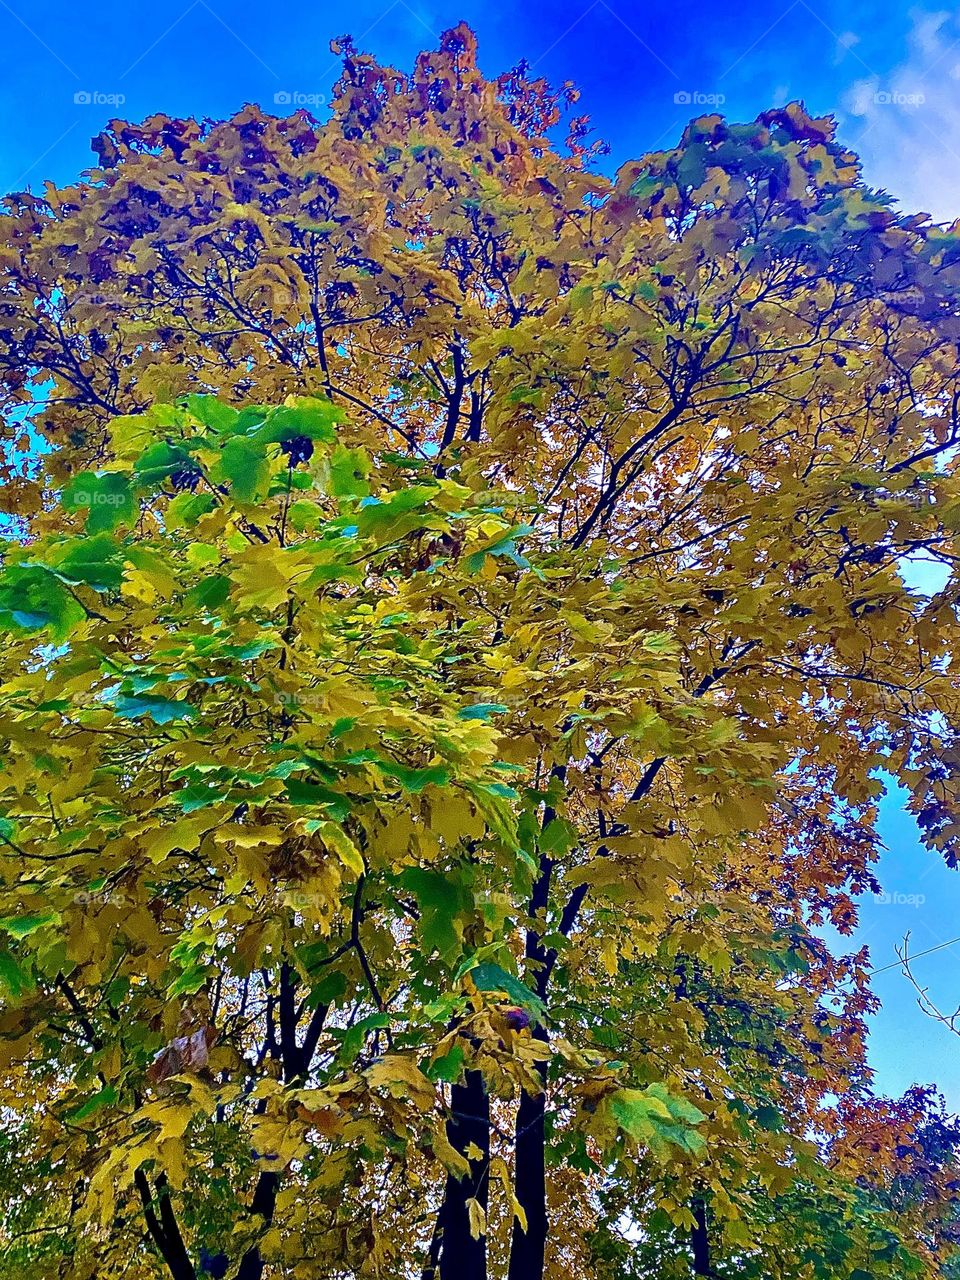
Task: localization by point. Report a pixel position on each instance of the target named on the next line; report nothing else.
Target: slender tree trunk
(163, 1227)
(700, 1239)
(264, 1202)
(527, 1248)
(429, 1271)
(461, 1256)
(296, 1059)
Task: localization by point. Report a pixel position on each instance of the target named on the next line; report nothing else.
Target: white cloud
(926, 31)
(906, 125)
(846, 41)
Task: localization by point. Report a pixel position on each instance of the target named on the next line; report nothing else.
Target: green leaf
(211, 412)
(524, 395)
(313, 793)
(490, 977)
(678, 1107)
(768, 1117)
(329, 989)
(632, 1112)
(657, 1118)
(158, 462)
(401, 513)
(645, 186)
(415, 780)
(482, 711)
(32, 598)
(308, 417)
(500, 789)
(107, 1097)
(106, 498)
(189, 982)
(209, 594)
(160, 710)
(13, 977)
(449, 1067)
(304, 515)
(93, 561)
(444, 900)
(243, 465)
(504, 545)
(22, 926)
(354, 1037)
(349, 469)
(186, 508)
(199, 795)
(557, 837)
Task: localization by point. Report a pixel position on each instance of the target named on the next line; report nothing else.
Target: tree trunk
(527, 1248)
(461, 1256)
(162, 1225)
(700, 1239)
(264, 1201)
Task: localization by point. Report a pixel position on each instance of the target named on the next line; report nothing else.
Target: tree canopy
(455, 629)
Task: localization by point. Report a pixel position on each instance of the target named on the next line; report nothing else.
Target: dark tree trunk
(530, 1185)
(461, 1256)
(264, 1201)
(429, 1271)
(700, 1239)
(527, 1247)
(162, 1225)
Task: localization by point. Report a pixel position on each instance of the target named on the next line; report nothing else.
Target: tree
(427, 757)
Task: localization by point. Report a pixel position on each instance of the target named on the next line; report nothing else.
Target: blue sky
(890, 73)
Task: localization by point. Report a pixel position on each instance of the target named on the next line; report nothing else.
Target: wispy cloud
(906, 124)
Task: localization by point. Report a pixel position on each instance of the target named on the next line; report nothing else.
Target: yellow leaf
(448, 1155)
(478, 1218)
(403, 1078)
(519, 1213)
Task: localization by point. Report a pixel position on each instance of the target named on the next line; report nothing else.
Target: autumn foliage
(454, 629)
